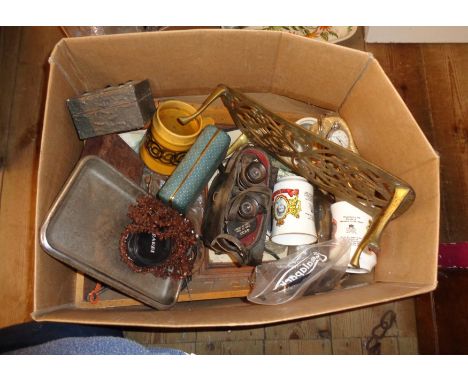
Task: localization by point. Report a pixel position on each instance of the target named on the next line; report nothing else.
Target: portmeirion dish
(328, 34)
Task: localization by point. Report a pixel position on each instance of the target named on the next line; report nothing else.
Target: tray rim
(78, 265)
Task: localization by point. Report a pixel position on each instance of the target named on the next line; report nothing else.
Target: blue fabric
(94, 345)
(35, 333)
(71, 339)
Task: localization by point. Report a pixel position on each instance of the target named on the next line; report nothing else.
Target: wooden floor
(431, 78)
(343, 333)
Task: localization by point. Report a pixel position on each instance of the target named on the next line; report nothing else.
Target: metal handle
(219, 91)
(372, 237)
(239, 142)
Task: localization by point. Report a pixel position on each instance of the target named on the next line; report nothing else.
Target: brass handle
(372, 237)
(239, 142)
(219, 91)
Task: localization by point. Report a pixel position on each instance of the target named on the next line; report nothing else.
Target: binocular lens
(256, 172)
(248, 208)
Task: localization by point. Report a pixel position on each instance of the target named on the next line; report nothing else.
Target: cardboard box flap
(315, 72)
(179, 62)
(51, 177)
(61, 57)
(195, 62)
(411, 241)
(387, 134)
(379, 119)
(234, 312)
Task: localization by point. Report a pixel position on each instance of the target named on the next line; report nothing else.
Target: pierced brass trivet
(323, 163)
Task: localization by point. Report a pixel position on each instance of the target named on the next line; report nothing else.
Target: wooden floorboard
(314, 328)
(451, 313)
(446, 67)
(433, 81)
(20, 148)
(347, 346)
(341, 333)
(10, 40)
(425, 314)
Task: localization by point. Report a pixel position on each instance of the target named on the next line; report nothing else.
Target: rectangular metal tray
(83, 229)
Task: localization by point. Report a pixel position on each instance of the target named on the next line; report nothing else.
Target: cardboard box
(291, 73)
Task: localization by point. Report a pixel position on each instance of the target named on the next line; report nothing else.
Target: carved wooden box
(114, 109)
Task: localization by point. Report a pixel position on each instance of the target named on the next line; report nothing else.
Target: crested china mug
(351, 223)
(293, 212)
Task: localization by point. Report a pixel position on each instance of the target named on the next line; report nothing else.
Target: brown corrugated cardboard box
(185, 63)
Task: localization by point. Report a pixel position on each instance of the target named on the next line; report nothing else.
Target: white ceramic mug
(293, 212)
(349, 222)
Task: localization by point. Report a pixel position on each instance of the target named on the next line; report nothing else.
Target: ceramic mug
(167, 141)
(349, 222)
(293, 212)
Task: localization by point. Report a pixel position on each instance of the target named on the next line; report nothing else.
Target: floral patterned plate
(329, 34)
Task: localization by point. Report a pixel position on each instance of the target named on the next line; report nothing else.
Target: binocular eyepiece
(253, 174)
(248, 208)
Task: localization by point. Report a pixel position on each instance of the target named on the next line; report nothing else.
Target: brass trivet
(327, 165)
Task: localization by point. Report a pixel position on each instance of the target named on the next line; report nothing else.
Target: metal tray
(83, 229)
